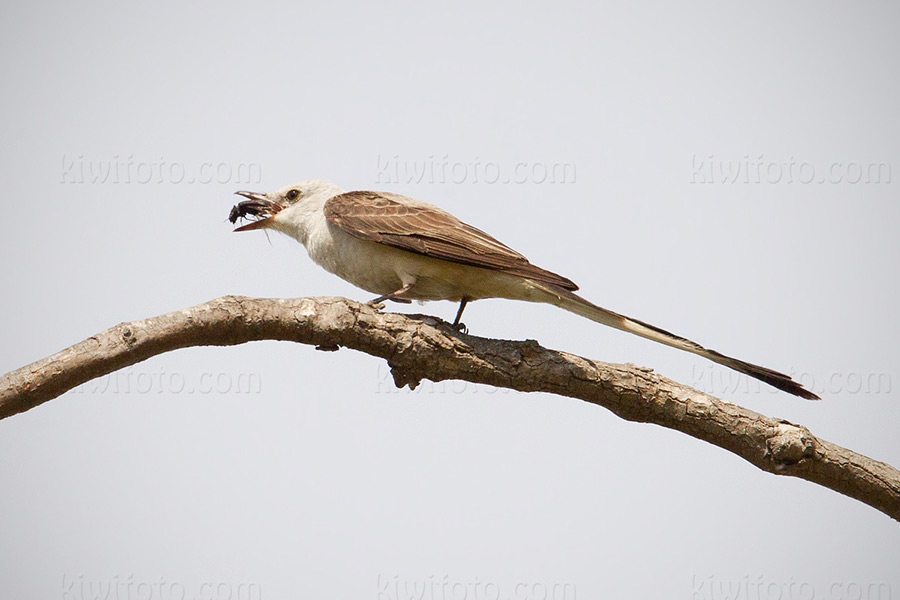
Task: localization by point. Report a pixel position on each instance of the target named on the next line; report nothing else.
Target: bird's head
(283, 209)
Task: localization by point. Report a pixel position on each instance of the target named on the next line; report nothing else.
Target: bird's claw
(460, 327)
(376, 305)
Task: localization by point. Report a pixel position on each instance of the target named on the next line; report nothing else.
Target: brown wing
(410, 225)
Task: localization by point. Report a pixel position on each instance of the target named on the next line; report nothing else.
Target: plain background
(320, 480)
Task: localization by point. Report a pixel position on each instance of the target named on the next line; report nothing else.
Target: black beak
(256, 205)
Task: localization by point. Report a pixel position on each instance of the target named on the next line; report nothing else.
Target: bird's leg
(456, 324)
(396, 296)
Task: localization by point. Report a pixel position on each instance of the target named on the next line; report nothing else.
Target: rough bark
(418, 347)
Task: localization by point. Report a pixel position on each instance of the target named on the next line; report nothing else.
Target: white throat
(307, 215)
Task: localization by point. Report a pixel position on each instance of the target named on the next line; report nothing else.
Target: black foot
(461, 327)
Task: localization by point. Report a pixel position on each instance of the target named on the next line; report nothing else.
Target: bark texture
(419, 347)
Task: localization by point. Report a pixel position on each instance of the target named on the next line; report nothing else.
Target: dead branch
(418, 347)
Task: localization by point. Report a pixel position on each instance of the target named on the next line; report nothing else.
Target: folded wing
(417, 227)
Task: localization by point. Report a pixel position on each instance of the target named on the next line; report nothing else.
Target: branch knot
(789, 445)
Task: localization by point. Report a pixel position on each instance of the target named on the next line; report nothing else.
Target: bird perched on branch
(403, 249)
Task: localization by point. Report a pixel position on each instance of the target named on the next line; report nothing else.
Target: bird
(403, 249)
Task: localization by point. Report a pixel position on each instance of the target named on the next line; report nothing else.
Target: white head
(293, 209)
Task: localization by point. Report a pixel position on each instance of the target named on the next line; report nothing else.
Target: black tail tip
(803, 392)
(782, 382)
(774, 378)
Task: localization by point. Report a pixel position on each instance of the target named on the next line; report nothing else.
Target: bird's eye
(293, 195)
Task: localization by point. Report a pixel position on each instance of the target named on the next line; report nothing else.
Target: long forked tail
(578, 305)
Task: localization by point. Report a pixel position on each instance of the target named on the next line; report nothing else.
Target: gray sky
(726, 171)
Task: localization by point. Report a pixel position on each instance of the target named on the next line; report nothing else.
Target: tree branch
(418, 347)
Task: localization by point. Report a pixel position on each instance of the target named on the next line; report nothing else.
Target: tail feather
(578, 305)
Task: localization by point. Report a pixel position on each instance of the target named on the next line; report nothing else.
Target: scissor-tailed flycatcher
(403, 249)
